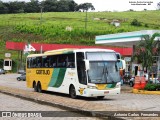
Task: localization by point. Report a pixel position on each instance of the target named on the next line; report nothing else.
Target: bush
(152, 87)
(146, 25)
(158, 87)
(135, 22)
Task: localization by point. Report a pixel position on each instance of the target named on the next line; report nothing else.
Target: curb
(87, 113)
(136, 91)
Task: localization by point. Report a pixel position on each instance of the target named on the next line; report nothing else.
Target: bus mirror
(124, 64)
(87, 64)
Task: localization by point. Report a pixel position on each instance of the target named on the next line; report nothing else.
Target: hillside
(51, 28)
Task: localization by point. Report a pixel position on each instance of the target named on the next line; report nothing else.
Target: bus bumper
(95, 92)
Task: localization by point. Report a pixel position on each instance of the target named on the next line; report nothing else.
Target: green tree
(32, 7)
(146, 49)
(16, 7)
(49, 5)
(3, 8)
(85, 7)
(63, 6)
(72, 5)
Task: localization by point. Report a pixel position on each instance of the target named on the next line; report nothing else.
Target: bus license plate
(106, 92)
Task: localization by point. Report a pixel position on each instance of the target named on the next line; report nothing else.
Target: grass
(51, 29)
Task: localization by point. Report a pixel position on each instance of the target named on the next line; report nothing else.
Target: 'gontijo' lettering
(44, 72)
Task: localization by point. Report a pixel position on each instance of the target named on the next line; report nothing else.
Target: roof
(48, 47)
(127, 39)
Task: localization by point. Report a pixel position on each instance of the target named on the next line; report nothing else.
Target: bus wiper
(105, 70)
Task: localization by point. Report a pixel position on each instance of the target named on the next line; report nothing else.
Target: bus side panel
(57, 77)
(29, 80)
(42, 75)
(62, 79)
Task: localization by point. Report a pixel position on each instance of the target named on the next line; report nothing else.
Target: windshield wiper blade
(105, 70)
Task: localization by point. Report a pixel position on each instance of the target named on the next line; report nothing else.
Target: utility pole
(41, 14)
(86, 22)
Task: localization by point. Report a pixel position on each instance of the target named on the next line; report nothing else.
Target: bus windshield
(102, 72)
(103, 68)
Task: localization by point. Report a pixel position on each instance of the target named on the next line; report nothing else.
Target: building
(125, 40)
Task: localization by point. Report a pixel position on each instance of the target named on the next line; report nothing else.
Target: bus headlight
(91, 87)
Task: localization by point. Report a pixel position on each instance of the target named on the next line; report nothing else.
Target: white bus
(78, 72)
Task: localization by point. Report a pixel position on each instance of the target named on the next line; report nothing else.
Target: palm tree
(146, 49)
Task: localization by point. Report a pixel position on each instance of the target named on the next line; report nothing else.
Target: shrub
(157, 86)
(146, 25)
(135, 22)
(152, 87)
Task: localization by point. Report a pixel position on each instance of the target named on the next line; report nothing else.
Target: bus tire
(39, 89)
(72, 92)
(35, 86)
(100, 97)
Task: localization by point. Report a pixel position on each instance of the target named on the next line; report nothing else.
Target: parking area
(126, 99)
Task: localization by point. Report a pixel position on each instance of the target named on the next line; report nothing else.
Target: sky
(116, 5)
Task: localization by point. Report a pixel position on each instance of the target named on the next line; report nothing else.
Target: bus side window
(45, 61)
(39, 62)
(61, 61)
(46, 64)
(54, 61)
(28, 62)
(33, 65)
(70, 61)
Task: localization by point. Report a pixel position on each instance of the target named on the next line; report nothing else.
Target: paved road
(13, 104)
(127, 100)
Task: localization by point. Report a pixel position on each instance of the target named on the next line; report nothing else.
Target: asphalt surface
(126, 101)
(11, 103)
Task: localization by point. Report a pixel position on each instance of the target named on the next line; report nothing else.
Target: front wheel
(72, 92)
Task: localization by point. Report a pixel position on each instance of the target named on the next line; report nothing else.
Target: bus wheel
(35, 86)
(39, 89)
(72, 92)
(100, 97)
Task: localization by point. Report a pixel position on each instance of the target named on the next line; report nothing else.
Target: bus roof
(64, 51)
(94, 50)
(60, 51)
